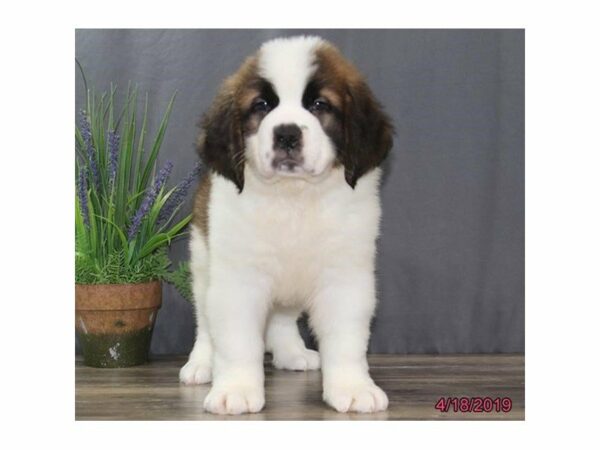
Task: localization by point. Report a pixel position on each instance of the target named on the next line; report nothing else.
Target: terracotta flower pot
(114, 322)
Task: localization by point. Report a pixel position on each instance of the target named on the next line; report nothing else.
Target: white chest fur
(289, 234)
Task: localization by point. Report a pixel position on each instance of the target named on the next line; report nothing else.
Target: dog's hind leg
(283, 340)
(198, 369)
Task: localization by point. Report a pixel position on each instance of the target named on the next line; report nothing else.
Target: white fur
(282, 246)
(289, 62)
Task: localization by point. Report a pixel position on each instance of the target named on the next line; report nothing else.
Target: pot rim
(156, 280)
(127, 296)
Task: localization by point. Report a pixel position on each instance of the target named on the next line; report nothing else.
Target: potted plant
(125, 219)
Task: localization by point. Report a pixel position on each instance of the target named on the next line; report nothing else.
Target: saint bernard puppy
(286, 223)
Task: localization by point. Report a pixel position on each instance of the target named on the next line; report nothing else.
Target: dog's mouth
(286, 165)
(289, 166)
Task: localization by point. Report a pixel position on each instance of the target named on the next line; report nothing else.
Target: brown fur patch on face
(335, 71)
(332, 96)
(260, 99)
(231, 118)
(221, 140)
(241, 86)
(200, 212)
(361, 131)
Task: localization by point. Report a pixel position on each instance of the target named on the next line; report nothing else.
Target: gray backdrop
(451, 253)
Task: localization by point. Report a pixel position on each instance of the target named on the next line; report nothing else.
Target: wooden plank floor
(413, 383)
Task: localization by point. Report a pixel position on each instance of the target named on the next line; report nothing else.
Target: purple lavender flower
(149, 200)
(86, 134)
(113, 154)
(178, 196)
(83, 199)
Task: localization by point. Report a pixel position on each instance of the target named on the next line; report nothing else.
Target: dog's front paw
(195, 372)
(364, 397)
(234, 400)
(303, 359)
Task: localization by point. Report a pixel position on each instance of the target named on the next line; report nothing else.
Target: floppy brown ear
(368, 133)
(220, 143)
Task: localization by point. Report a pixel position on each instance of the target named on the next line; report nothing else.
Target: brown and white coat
(286, 223)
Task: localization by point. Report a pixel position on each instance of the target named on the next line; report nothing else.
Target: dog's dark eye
(260, 105)
(320, 105)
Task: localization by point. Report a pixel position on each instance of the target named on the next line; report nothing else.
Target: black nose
(287, 137)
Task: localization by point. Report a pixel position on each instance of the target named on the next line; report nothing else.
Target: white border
(562, 222)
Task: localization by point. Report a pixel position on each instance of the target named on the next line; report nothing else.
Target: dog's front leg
(236, 310)
(340, 315)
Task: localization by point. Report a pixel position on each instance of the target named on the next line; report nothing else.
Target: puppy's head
(295, 109)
